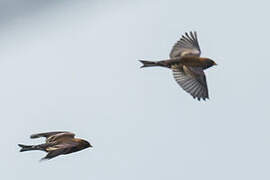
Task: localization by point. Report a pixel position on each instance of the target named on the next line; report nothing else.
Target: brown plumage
(187, 65)
(57, 143)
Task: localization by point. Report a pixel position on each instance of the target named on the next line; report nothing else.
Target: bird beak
(215, 64)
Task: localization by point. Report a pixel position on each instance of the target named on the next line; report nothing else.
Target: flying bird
(57, 143)
(187, 65)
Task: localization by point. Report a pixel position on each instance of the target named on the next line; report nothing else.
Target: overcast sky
(72, 65)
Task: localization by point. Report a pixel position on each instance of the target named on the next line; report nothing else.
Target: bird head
(214, 63)
(209, 63)
(86, 144)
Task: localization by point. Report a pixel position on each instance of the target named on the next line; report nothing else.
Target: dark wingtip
(43, 159)
(33, 136)
(199, 98)
(205, 98)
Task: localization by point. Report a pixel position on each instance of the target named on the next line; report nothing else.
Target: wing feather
(54, 136)
(46, 134)
(192, 80)
(188, 45)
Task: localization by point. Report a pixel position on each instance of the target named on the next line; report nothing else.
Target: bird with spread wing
(57, 143)
(187, 65)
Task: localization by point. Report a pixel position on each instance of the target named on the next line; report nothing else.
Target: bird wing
(54, 153)
(63, 148)
(52, 136)
(46, 134)
(192, 80)
(188, 45)
(64, 136)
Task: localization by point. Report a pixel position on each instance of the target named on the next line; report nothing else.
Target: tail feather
(28, 147)
(148, 63)
(25, 147)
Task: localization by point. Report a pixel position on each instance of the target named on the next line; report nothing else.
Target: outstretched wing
(60, 137)
(192, 80)
(188, 45)
(64, 148)
(52, 136)
(54, 153)
(46, 134)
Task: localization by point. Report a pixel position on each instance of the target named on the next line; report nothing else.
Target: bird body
(187, 65)
(192, 61)
(57, 143)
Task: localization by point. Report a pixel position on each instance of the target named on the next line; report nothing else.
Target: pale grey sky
(72, 65)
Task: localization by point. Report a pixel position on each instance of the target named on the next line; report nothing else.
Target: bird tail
(149, 63)
(154, 63)
(29, 147)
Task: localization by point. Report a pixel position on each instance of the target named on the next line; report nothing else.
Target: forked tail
(29, 147)
(154, 63)
(148, 63)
